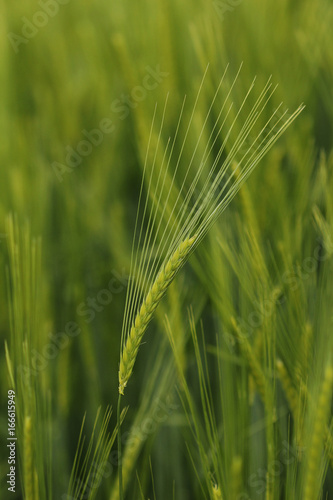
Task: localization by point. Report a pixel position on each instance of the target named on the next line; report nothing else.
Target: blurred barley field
(231, 392)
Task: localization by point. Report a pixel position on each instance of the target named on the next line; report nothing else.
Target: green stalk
(120, 470)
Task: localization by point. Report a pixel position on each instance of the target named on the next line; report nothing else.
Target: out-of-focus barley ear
(216, 492)
(329, 444)
(246, 204)
(28, 469)
(9, 366)
(236, 476)
(302, 365)
(311, 489)
(293, 399)
(36, 485)
(255, 368)
(252, 389)
(149, 305)
(269, 487)
(129, 458)
(324, 228)
(305, 396)
(307, 347)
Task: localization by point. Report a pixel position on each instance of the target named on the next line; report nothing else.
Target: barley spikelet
(155, 294)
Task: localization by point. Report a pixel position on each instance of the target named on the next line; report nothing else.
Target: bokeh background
(94, 71)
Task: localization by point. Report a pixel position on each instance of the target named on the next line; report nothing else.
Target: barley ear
(150, 303)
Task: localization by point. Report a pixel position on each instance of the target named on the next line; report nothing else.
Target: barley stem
(120, 472)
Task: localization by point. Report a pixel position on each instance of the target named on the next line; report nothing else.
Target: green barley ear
(154, 296)
(182, 205)
(185, 198)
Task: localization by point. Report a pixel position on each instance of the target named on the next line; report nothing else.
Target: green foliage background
(272, 246)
